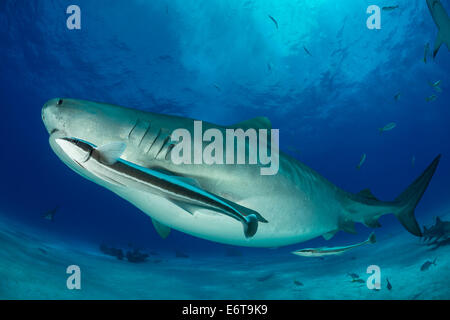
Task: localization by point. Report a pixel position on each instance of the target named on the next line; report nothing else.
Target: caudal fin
(442, 38)
(408, 200)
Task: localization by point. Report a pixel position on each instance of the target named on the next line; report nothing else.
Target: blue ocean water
(223, 62)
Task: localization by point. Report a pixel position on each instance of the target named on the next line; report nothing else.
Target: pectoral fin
(186, 206)
(111, 152)
(162, 230)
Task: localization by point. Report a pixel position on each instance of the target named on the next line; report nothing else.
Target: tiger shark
(442, 21)
(297, 203)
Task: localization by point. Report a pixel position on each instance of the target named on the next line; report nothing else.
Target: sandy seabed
(33, 268)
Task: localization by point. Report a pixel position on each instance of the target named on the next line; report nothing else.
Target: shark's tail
(408, 200)
(442, 38)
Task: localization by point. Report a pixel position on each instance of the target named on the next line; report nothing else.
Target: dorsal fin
(111, 152)
(255, 123)
(366, 193)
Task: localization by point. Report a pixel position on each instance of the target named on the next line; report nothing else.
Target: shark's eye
(60, 101)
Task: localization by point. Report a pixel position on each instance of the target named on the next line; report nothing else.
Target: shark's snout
(49, 114)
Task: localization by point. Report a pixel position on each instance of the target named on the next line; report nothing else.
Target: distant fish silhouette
(50, 215)
(397, 96)
(431, 98)
(389, 286)
(274, 21)
(358, 280)
(436, 85)
(425, 53)
(427, 265)
(413, 161)
(361, 161)
(387, 127)
(307, 51)
(353, 275)
(389, 8)
(298, 283)
(266, 277)
(217, 87)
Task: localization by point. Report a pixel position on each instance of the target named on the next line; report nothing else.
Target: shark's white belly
(282, 229)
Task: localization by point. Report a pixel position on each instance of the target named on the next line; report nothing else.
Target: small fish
(266, 277)
(427, 265)
(388, 127)
(50, 215)
(436, 83)
(397, 96)
(358, 280)
(325, 251)
(389, 8)
(389, 286)
(436, 86)
(413, 161)
(353, 275)
(269, 66)
(361, 161)
(425, 54)
(217, 87)
(307, 51)
(274, 21)
(431, 98)
(298, 283)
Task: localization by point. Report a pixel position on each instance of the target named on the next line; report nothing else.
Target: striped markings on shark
(154, 140)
